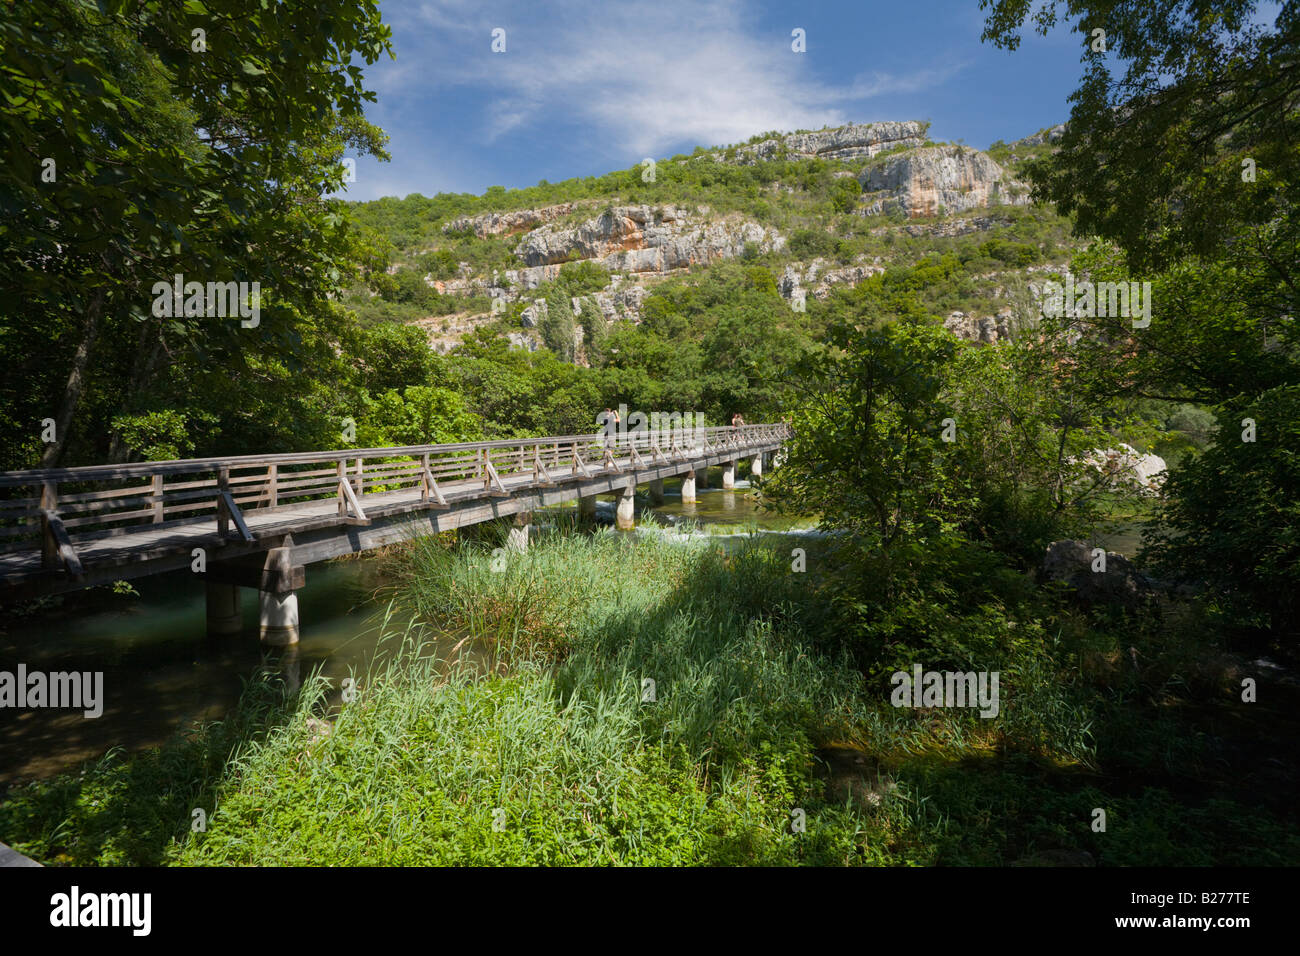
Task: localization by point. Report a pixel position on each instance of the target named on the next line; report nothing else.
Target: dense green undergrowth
(544, 746)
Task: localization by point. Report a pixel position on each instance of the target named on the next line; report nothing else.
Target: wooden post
(223, 484)
(343, 480)
(360, 480)
(424, 481)
(273, 485)
(157, 499)
(49, 547)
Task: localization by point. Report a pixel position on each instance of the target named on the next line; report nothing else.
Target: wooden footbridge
(257, 520)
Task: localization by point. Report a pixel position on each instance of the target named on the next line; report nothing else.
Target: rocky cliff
(647, 239)
(508, 223)
(937, 181)
(844, 142)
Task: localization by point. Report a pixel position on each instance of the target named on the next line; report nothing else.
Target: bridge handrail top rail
(181, 466)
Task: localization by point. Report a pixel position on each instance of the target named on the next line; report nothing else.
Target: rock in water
(1072, 563)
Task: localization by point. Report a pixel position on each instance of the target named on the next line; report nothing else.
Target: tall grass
(536, 743)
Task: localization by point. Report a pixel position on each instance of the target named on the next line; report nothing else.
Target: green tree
(207, 154)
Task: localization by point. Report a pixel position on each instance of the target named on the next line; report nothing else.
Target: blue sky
(586, 87)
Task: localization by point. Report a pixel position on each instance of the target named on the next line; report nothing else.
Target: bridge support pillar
(517, 540)
(224, 616)
(657, 491)
(688, 488)
(702, 477)
(627, 508)
(728, 475)
(756, 466)
(278, 618)
(278, 602)
(587, 507)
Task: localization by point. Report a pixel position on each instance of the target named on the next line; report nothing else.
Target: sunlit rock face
(938, 181)
(855, 141)
(636, 239)
(508, 223)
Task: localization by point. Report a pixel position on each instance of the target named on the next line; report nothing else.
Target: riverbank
(758, 742)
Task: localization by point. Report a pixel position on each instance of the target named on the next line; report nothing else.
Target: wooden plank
(580, 466)
(65, 550)
(102, 519)
(499, 491)
(107, 493)
(345, 487)
(236, 516)
(541, 476)
(49, 544)
(429, 488)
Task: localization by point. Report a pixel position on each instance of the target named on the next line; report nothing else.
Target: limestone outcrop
(798, 279)
(843, 142)
(508, 223)
(937, 181)
(647, 239)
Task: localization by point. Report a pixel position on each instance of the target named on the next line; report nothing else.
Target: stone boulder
(1129, 467)
(1072, 562)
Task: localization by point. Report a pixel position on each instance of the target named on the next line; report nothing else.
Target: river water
(163, 673)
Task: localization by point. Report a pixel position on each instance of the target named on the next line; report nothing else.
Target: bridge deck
(147, 517)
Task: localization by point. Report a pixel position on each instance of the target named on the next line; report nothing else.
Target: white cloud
(648, 76)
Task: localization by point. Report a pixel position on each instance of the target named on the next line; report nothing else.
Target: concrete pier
(627, 508)
(278, 618)
(278, 602)
(701, 478)
(756, 466)
(688, 488)
(517, 540)
(587, 507)
(657, 491)
(224, 612)
(728, 475)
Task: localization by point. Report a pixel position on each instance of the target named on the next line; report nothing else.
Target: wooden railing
(50, 508)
